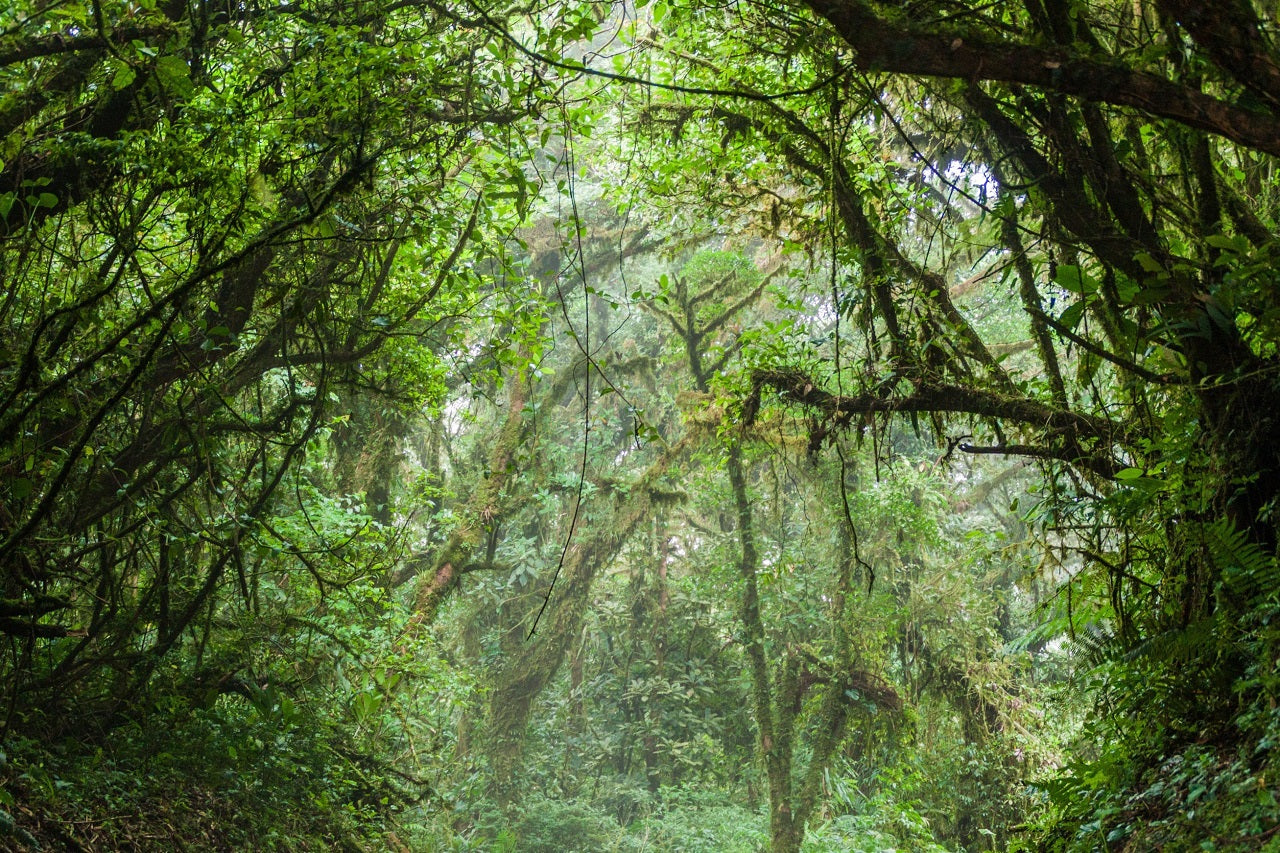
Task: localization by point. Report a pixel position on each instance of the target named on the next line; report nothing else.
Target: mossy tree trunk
(782, 678)
(535, 659)
(486, 505)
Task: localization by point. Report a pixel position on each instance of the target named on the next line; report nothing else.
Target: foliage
(816, 424)
(245, 764)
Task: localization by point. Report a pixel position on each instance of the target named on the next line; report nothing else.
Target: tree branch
(881, 46)
(1066, 429)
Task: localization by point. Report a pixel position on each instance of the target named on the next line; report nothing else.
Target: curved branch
(1231, 33)
(881, 46)
(1065, 429)
(951, 399)
(20, 50)
(1039, 316)
(1103, 466)
(482, 17)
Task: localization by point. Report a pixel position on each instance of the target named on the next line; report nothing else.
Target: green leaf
(1235, 243)
(174, 73)
(1150, 484)
(1129, 473)
(1071, 277)
(1150, 295)
(21, 487)
(1127, 289)
(125, 75)
(1071, 317)
(1148, 263)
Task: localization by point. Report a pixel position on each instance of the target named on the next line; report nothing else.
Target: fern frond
(1249, 575)
(1096, 644)
(1176, 646)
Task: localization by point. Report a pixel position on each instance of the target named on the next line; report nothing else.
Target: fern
(1250, 577)
(1176, 646)
(1096, 645)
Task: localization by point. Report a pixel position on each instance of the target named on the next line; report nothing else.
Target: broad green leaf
(174, 74)
(1234, 243)
(1072, 316)
(1071, 277)
(125, 75)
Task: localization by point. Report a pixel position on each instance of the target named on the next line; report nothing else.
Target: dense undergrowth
(200, 779)
(218, 782)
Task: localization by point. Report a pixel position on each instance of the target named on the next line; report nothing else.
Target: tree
(1110, 164)
(214, 221)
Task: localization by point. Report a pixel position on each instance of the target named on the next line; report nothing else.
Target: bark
(1230, 32)
(658, 629)
(484, 507)
(1067, 434)
(778, 687)
(73, 175)
(778, 692)
(526, 672)
(775, 737)
(883, 46)
(1030, 296)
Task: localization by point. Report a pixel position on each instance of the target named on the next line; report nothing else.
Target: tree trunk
(530, 668)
